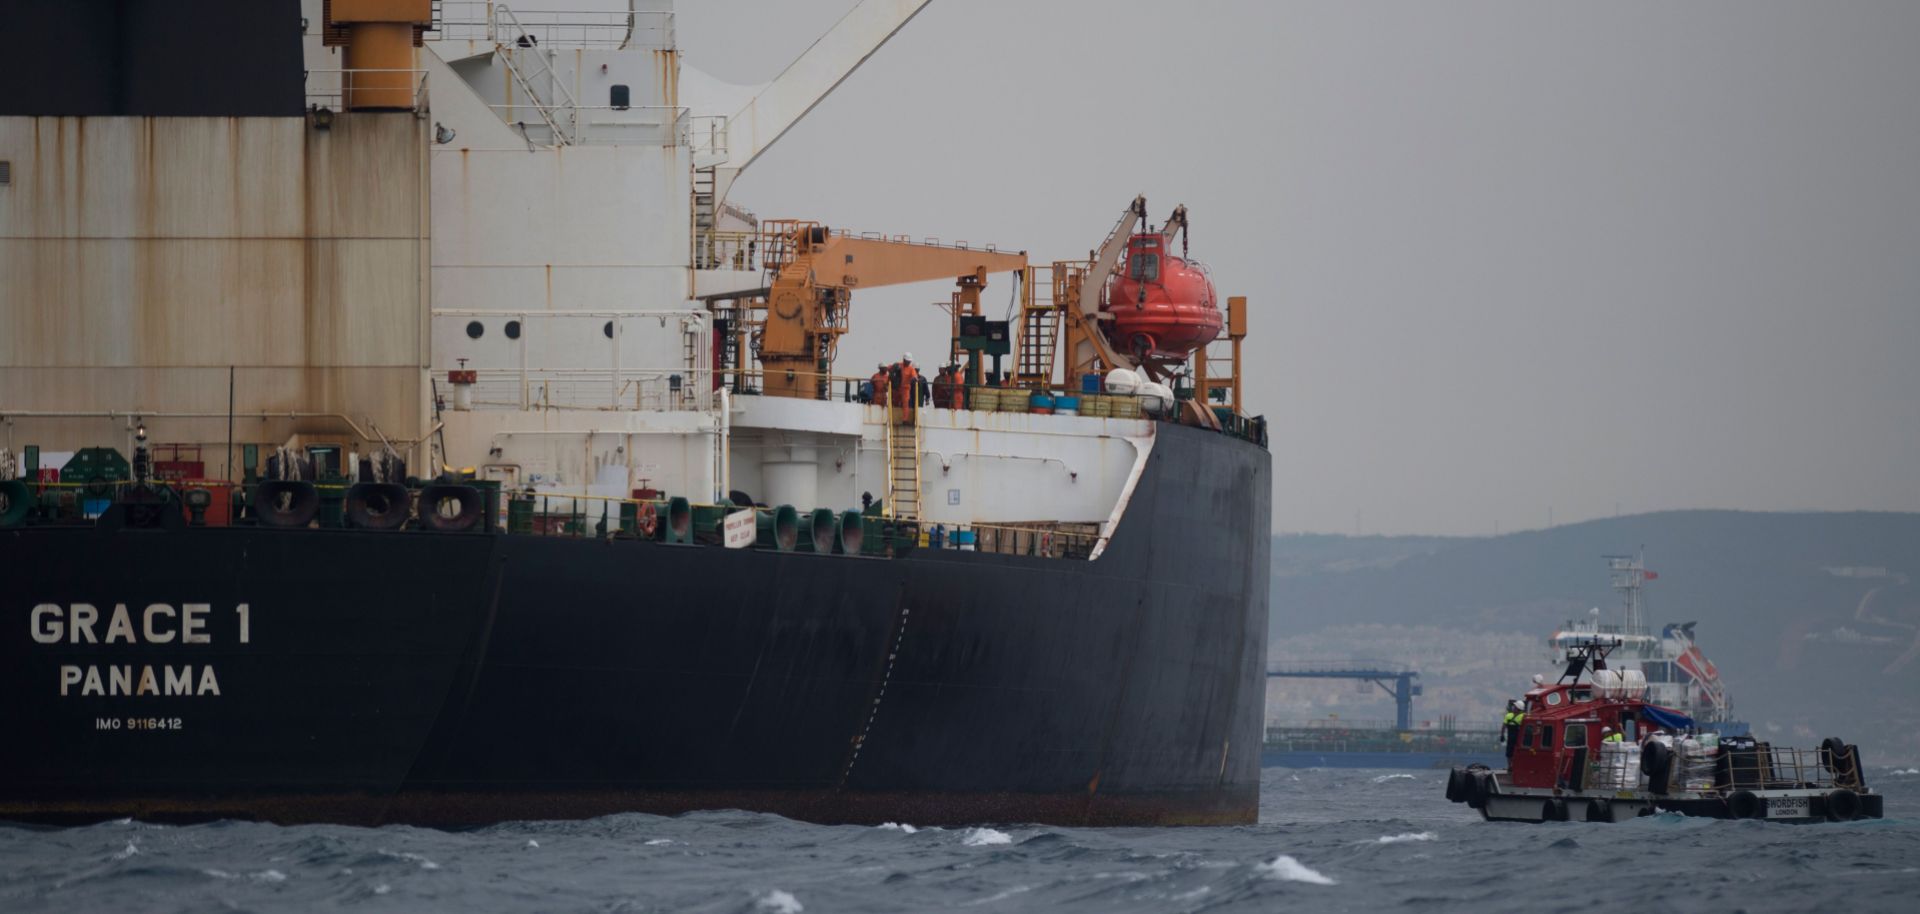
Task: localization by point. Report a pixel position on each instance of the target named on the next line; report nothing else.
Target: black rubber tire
(1479, 787)
(1743, 804)
(1599, 811)
(303, 503)
(378, 506)
(1833, 751)
(16, 502)
(1456, 786)
(1873, 806)
(466, 497)
(1843, 805)
(1656, 761)
(1554, 810)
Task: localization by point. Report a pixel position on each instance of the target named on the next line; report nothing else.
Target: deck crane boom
(812, 272)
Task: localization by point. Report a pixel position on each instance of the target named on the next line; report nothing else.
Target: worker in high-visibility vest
(1510, 725)
(879, 382)
(908, 393)
(1610, 735)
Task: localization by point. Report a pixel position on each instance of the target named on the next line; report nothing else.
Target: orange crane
(812, 274)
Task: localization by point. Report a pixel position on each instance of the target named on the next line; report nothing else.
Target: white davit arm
(812, 76)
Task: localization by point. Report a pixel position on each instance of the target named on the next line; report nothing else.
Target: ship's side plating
(452, 679)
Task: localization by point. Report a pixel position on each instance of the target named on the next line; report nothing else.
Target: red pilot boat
(1591, 749)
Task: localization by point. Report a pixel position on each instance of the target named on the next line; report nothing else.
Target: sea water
(1328, 840)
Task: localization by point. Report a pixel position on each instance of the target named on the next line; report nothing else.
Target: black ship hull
(460, 679)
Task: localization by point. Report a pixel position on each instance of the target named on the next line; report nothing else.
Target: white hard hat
(907, 357)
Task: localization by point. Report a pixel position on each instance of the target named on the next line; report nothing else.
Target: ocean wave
(982, 837)
(1287, 869)
(897, 826)
(1392, 777)
(778, 902)
(1408, 836)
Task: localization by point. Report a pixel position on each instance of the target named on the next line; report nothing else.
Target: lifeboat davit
(1163, 306)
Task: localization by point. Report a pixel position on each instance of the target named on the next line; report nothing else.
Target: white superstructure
(521, 275)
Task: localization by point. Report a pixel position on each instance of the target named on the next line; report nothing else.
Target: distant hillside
(1811, 617)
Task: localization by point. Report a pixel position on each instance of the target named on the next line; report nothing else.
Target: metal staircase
(1039, 332)
(562, 110)
(903, 469)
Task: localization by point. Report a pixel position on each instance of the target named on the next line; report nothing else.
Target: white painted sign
(1788, 808)
(739, 529)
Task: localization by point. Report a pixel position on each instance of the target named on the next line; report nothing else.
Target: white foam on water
(1196, 893)
(220, 874)
(130, 851)
(778, 902)
(532, 843)
(382, 889)
(659, 842)
(1408, 836)
(898, 826)
(1287, 869)
(268, 876)
(1392, 777)
(982, 837)
(1906, 771)
(417, 859)
(1000, 896)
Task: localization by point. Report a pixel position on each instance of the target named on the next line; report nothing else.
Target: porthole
(608, 330)
(513, 330)
(475, 329)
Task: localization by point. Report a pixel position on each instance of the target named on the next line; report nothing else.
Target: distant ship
(1678, 675)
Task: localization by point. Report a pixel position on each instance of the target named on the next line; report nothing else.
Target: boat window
(1553, 698)
(1576, 736)
(1144, 267)
(1526, 737)
(619, 97)
(1583, 693)
(1546, 738)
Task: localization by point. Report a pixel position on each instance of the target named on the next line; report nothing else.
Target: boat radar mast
(1628, 575)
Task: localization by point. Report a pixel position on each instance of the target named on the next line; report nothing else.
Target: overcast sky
(1503, 257)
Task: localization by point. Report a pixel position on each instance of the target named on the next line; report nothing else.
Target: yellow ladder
(903, 469)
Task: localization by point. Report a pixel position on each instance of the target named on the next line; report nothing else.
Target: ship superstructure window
(475, 330)
(1576, 736)
(620, 97)
(608, 330)
(1546, 737)
(513, 330)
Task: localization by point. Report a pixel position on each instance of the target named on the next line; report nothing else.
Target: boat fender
(1456, 785)
(1743, 804)
(1843, 805)
(1856, 772)
(378, 505)
(1873, 805)
(1553, 810)
(1833, 753)
(464, 500)
(1656, 760)
(16, 502)
(1599, 811)
(285, 503)
(1479, 787)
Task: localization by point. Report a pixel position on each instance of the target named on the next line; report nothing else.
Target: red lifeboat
(1163, 306)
